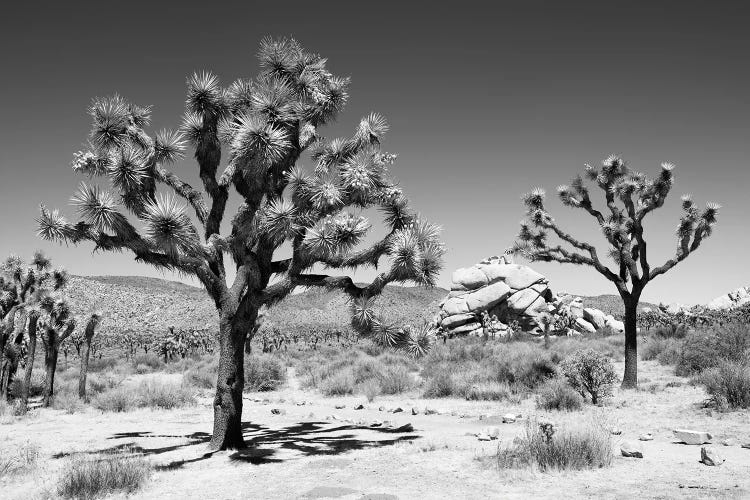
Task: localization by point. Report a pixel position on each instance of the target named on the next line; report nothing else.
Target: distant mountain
(153, 305)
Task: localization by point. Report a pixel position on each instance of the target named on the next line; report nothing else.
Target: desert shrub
(163, 395)
(395, 380)
(586, 445)
(263, 372)
(99, 365)
(18, 459)
(201, 375)
(370, 388)
(557, 394)
(36, 387)
(590, 373)
(440, 385)
(655, 346)
(68, 402)
(708, 348)
(367, 368)
(489, 391)
(149, 360)
(88, 478)
(370, 348)
(339, 384)
(117, 400)
(728, 385)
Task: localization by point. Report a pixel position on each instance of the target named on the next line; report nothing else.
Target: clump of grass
(67, 401)
(728, 385)
(440, 385)
(586, 445)
(395, 380)
(202, 374)
(100, 365)
(263, 372)
(36, 387)
(489, 391)
(19, 459)
(370, 388)
(89, 478)
(557, 394)
(146, 394)
(339, 384)
(149, 362)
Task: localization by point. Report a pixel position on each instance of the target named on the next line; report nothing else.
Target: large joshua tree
(629, 196)
(290, 224)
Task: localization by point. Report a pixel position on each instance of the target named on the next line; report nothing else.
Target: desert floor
(315, 450)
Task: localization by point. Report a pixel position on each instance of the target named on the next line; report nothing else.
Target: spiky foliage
(267, 126)
(629, 197)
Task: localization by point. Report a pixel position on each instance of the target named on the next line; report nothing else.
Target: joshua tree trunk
(33, 321)
(630, 377)
(227, 433)
(50, 365)
(85, 352)
(12, 353)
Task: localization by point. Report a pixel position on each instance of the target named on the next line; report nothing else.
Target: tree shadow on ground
(263, 443)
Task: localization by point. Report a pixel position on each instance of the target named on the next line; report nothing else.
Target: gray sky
(484, 102)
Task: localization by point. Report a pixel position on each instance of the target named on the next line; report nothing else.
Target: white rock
(630, 450)
(709, 456)
(615, 324)
(585, 326)
(455, 305)
(692, 437)
(457, 320)
(492, 431)
(595, 317)
(576, 308)
(522, 300)
(469, 278)
(483, 437)
(465, 329)
(646, 437)
(515, 276)
(509, 418)
(487, 297)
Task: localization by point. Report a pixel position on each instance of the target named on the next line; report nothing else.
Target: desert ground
(318, 447)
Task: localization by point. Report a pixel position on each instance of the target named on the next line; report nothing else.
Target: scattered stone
(404, 428)
(630, 450)
(340, 407)
(509, 418)
(616, 431)
(333, 417)
(746, 445)
(266, 401)
(430, 411)
(311, 415)
(382, 408)
(278, 411)
(348, 421)
(483, 437)
(493, 431)
(711, 457)
(414, 411)
(397, 410)
(301, 403)
(387, 423)
(359, 407)
(647, 437)
(692, 437)
(730, 442)
(376, 423)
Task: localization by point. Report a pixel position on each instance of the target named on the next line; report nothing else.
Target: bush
(395, 380)
(18, 459)
(149, 362)
(585, 446)
(556, 394)
(87, 478)
(370, 388)
(728, 385)
(489, 391)
(69, 402)
(99, 365)
(339, 384)
(146, 394)
(36, 387)
(590, 373)
(263, 372)
(202, 376)
(439, 386)
(703, 349)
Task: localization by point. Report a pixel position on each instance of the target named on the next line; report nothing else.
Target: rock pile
(732, 300)
(512, 293)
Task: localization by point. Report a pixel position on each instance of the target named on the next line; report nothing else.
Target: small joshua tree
(57, 324)
(289, 224)
(630, 196)
(88, 336)
(22, 287)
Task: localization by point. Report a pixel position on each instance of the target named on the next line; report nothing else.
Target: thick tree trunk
(85, 352)
(50, 365)
(227, 433)
(29, 360)
(630, 377)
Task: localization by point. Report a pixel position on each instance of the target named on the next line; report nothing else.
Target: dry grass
(91, 478)
(19, 459)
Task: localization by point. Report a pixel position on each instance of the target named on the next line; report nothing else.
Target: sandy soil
(314, 450)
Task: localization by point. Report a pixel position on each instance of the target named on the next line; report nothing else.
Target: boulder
(487, 297)
(585, 326)
(595, 317)
(692, 437)
(630, 450)
(732, 300)
(575, 308)
(522, 300)
(711, 457)
(468, 278)
(515, 276)
(492, 431)
(614, 324)
(509, 418)
(455, 305)
(483, 437)
(457, 320)
(466, 329)
(646, 437)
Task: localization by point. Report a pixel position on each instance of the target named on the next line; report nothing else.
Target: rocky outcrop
(511, 293)
(732, 300)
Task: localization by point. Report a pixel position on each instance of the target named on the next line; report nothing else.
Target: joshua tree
(57, 325)
(21, 289)
(289, 225)
(88, 336)
(32, 328)
(630, 196)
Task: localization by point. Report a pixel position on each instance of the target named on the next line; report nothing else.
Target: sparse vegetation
(587, 445)
(150, 393)
(557, 394)
(728, 385)
(87, 478)
(590, 373)
(18, 459)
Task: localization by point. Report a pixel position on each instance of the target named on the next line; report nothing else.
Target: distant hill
(153, 305)
(609, 304)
